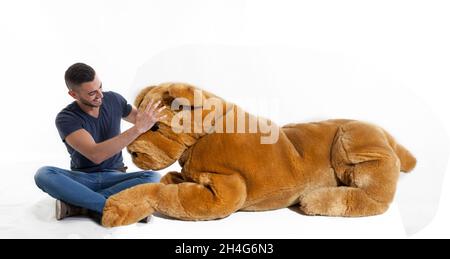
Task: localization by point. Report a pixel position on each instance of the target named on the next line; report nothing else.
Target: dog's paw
(114, 214)
(323, 202)
(309, 206)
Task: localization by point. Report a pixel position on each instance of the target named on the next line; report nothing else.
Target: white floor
(27, 212)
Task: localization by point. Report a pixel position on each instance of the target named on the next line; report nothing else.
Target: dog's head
(183, 125)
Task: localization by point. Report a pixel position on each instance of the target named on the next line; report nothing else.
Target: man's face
(89, 93)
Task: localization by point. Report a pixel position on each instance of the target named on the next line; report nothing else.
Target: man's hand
(146, 118)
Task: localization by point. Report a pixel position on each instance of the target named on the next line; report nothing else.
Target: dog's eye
(155, 127)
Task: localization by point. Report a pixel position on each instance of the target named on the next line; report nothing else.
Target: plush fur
(334, 168)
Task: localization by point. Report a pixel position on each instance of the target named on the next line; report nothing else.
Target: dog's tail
(407, 160)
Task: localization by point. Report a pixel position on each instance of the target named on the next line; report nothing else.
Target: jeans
(89, 190)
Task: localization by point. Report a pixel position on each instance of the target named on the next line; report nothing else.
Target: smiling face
(162, 146)
(89, 93)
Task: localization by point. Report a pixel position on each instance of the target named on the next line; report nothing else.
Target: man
(90, 129)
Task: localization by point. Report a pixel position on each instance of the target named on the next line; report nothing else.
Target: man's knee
(43, 174)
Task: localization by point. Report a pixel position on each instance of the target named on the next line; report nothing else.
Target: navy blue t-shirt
(106, 126)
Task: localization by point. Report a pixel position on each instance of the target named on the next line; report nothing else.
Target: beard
(91, 103)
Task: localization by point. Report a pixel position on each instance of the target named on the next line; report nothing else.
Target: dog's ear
(141, 95)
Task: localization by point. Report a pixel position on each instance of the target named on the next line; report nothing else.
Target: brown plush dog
(334, 168)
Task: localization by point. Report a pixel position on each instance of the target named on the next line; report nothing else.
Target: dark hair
(77, 74)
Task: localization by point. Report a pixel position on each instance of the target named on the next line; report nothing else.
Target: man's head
(84, 85)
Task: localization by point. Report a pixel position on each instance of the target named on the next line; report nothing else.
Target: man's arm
(131, 118)
(83, 142)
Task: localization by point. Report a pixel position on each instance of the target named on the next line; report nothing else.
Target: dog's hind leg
(368, 168)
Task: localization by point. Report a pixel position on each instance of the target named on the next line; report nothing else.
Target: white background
(307, 55)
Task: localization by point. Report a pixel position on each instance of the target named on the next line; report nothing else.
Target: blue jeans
(88, 190)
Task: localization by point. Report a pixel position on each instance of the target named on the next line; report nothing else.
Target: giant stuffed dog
(333, 168)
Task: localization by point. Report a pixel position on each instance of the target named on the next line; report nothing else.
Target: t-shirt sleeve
(66, 123)
(124, 105)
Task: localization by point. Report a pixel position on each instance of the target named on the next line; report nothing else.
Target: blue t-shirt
(106, 126)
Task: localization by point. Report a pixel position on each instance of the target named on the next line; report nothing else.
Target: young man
(90, 129)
